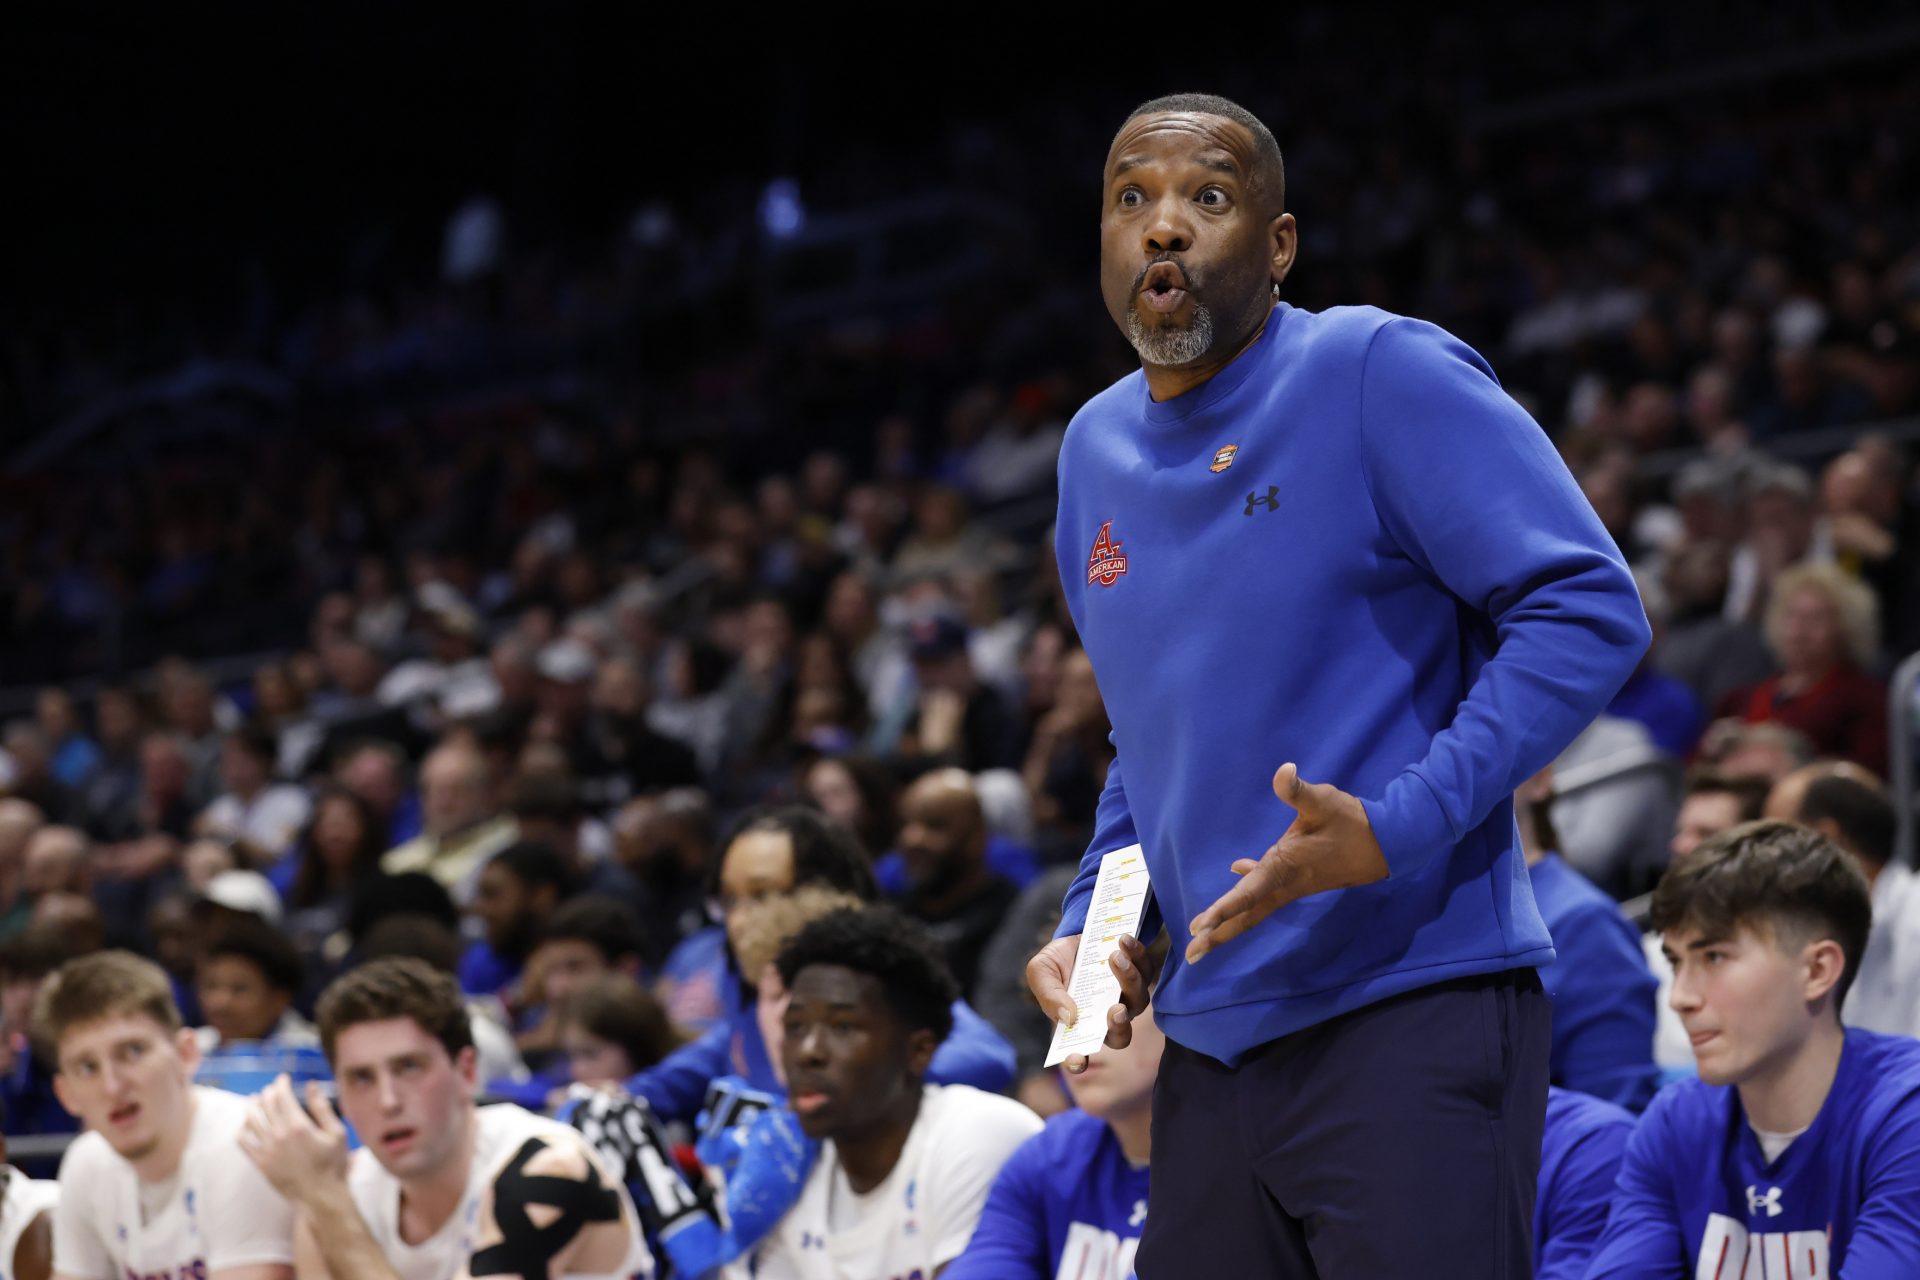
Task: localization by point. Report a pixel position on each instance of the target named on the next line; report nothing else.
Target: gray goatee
(1171, 348)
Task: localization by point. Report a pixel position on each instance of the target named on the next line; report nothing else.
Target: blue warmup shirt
(675, 1087)
(1349, 549)
(1067, 1203)
(1698, 1200)
(1580, 1154)
(1602, 991)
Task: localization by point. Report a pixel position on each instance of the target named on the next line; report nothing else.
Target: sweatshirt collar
(1219, 386)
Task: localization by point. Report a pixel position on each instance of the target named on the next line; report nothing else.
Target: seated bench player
(443, 1189)
(905, 1166)
(1797, 1151)
(152, 1188)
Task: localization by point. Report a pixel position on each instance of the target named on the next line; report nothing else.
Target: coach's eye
(1131, 198)
(1213, 197)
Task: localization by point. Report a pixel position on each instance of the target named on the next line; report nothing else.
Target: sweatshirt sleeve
(1470, 489)
(1883, 1245)
(1574, 1208)
(1603, 1011)
(1010, 1243)
(1643, 1239)
(677, 1084)
(1112, 829)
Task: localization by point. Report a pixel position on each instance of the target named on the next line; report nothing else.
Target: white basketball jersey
(501, 1131)
(218, 1210)
(26, 1199)
(921, 1215)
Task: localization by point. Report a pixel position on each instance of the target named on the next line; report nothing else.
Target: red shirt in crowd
(1843, 714)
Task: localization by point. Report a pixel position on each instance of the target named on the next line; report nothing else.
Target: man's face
(1187, 247)
(849, 1062)
(127, 1077)
(502, 904)
(240, 771)
(1742, 999)
(409, 1102)
(940, 834)
(237, 999)
(566, 965)
(453, 794)
(1702, 816)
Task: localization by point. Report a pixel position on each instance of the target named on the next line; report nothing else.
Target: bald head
(54, 861)
(943, 831)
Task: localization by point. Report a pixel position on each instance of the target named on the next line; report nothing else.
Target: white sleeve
(971, 1153)
(245, 1221)
(79, 1247)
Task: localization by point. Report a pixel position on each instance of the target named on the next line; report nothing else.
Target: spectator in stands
(205, 858)
(18, 821)
(865, 1096)
(1798, 1140)
(26, 1073)
(423, 937)
(586, 938)
(75, 756)
(1602, 991)
(639, 759)
(31, 777)
(247, 979)
(612, 1027)
(665, 842)
(545, 805)
(1850, 807)
(341, 846)
(957, 719)
(110, 794)
(461, 826)
(377, 773)
(194, 713)
(519, 888)
(55, 863)
(950, 888)
(1703, 648)
(1780, 512)
(1668, 709)
(878, 653)
(1768, 750)
(1824, 628)
(268, 815)
(1072, 1199)
(1067, 762)
(858, 792)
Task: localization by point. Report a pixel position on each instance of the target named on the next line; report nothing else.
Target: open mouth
(1164, 287)
(398, 1139)
(122, 1116)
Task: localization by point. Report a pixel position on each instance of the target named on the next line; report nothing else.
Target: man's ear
(60, 1092)
(187, 1045)
(920, 1047)
(1825, 961)
(466, 1064)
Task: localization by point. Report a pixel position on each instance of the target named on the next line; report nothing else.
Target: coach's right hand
(1049, 972)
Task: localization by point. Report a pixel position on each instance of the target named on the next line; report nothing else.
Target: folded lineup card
(1119, 900)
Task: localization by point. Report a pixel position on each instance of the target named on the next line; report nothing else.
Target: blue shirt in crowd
(1602, 991)
(1580, 1154)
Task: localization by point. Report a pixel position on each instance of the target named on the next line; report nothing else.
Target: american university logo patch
(1105, 564)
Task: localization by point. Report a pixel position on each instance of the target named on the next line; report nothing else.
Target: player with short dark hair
(442, 1187)
(905, 1166)
(1797, 1152)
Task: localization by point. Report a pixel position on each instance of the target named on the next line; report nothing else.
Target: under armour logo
(808, 1240)
(1770, 1201)
(1139, 1213)
(1272, 500)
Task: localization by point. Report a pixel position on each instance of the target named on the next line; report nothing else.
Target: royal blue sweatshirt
(1601, 988)
(1349, 549)
(1067, 1203)
(1698, 1198)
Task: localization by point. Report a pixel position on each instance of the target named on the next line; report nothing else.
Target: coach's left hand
(1329, 846)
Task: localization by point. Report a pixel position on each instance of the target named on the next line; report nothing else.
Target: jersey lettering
(1728, 1251)
(195, 1270)
(1094, 1253)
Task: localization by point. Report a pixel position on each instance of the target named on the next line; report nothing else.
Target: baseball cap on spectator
(566, 662)
(939, 636)
(247, 892)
